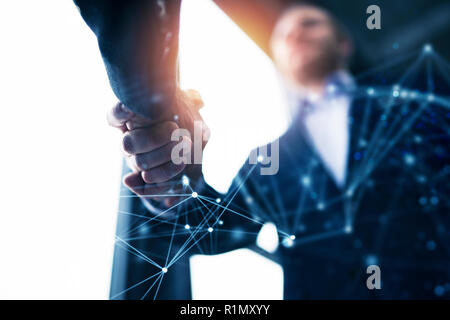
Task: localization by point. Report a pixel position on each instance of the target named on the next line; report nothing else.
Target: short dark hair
(342, 32)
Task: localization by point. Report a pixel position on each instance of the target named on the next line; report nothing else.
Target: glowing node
(349, 192)
(370, 91)
(185, 181)
(421, 178)
(287, 242)
(218, 200)
(395, 93)
(260, 158)
(187, 227)
(306, 181)
(430, 97)
(220, 222)
(194, 194)
(417, 139)
(348, 229)
(362, 143)
(331, 88)
(434, 200)
(371, 259)
(404, 93)
(431, 245)
(428, 48)
(176, 117)
(210, 229)
(439, 291)
(423, 201)
(164, 270)
(409, 159)
(143, 229)
(292, 237)
(320, 206)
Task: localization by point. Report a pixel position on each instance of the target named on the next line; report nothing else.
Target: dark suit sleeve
(233, 221)
(138, 40)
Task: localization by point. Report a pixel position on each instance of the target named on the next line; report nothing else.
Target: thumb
(195, 98)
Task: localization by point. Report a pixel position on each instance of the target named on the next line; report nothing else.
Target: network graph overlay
(404, 124)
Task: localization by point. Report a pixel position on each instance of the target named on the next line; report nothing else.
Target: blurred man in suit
(352, 189)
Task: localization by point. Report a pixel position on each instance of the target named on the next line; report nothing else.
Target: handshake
(159, 152)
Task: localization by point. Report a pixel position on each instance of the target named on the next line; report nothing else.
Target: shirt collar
(338, 83)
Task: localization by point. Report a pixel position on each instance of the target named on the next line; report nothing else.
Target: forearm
(138, 41)
(209, 223)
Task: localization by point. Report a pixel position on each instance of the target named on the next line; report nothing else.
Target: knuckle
(169, 127)
(146, 176)
(141, 162)
(127, 143)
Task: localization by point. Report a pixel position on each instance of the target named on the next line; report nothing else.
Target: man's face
(305, 44)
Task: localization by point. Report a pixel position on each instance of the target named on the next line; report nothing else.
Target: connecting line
(154, 195)
(209, 210)
(180, 255)
(130, 251)
(318, 237)
(441, 61)
(430, 83)
(392, 128)
(135, 285)
(159, 285)
(392, 63)
(161, 274)
(234, 231)
(236, 191)
(175, 258)
(170, 245)
(158, 215)
(301, 201)
(140, 253)
(242, 215)
(394, 140)
(391, 103)
(157, 235)
(201, 211)
(148, 218)
(441, 65)
(186, 243)
(211, 215)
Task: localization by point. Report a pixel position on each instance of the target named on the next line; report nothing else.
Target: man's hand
(148, 149)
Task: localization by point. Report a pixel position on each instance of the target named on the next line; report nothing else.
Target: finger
(148, 139)
(118, 115)
(131, 163)
(196, 98)
(157, 157)
(155, 192)
(163, 172)
(140, 122)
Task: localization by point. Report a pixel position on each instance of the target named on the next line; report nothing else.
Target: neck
(310, 85)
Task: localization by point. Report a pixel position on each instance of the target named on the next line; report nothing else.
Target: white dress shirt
(325, 118)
